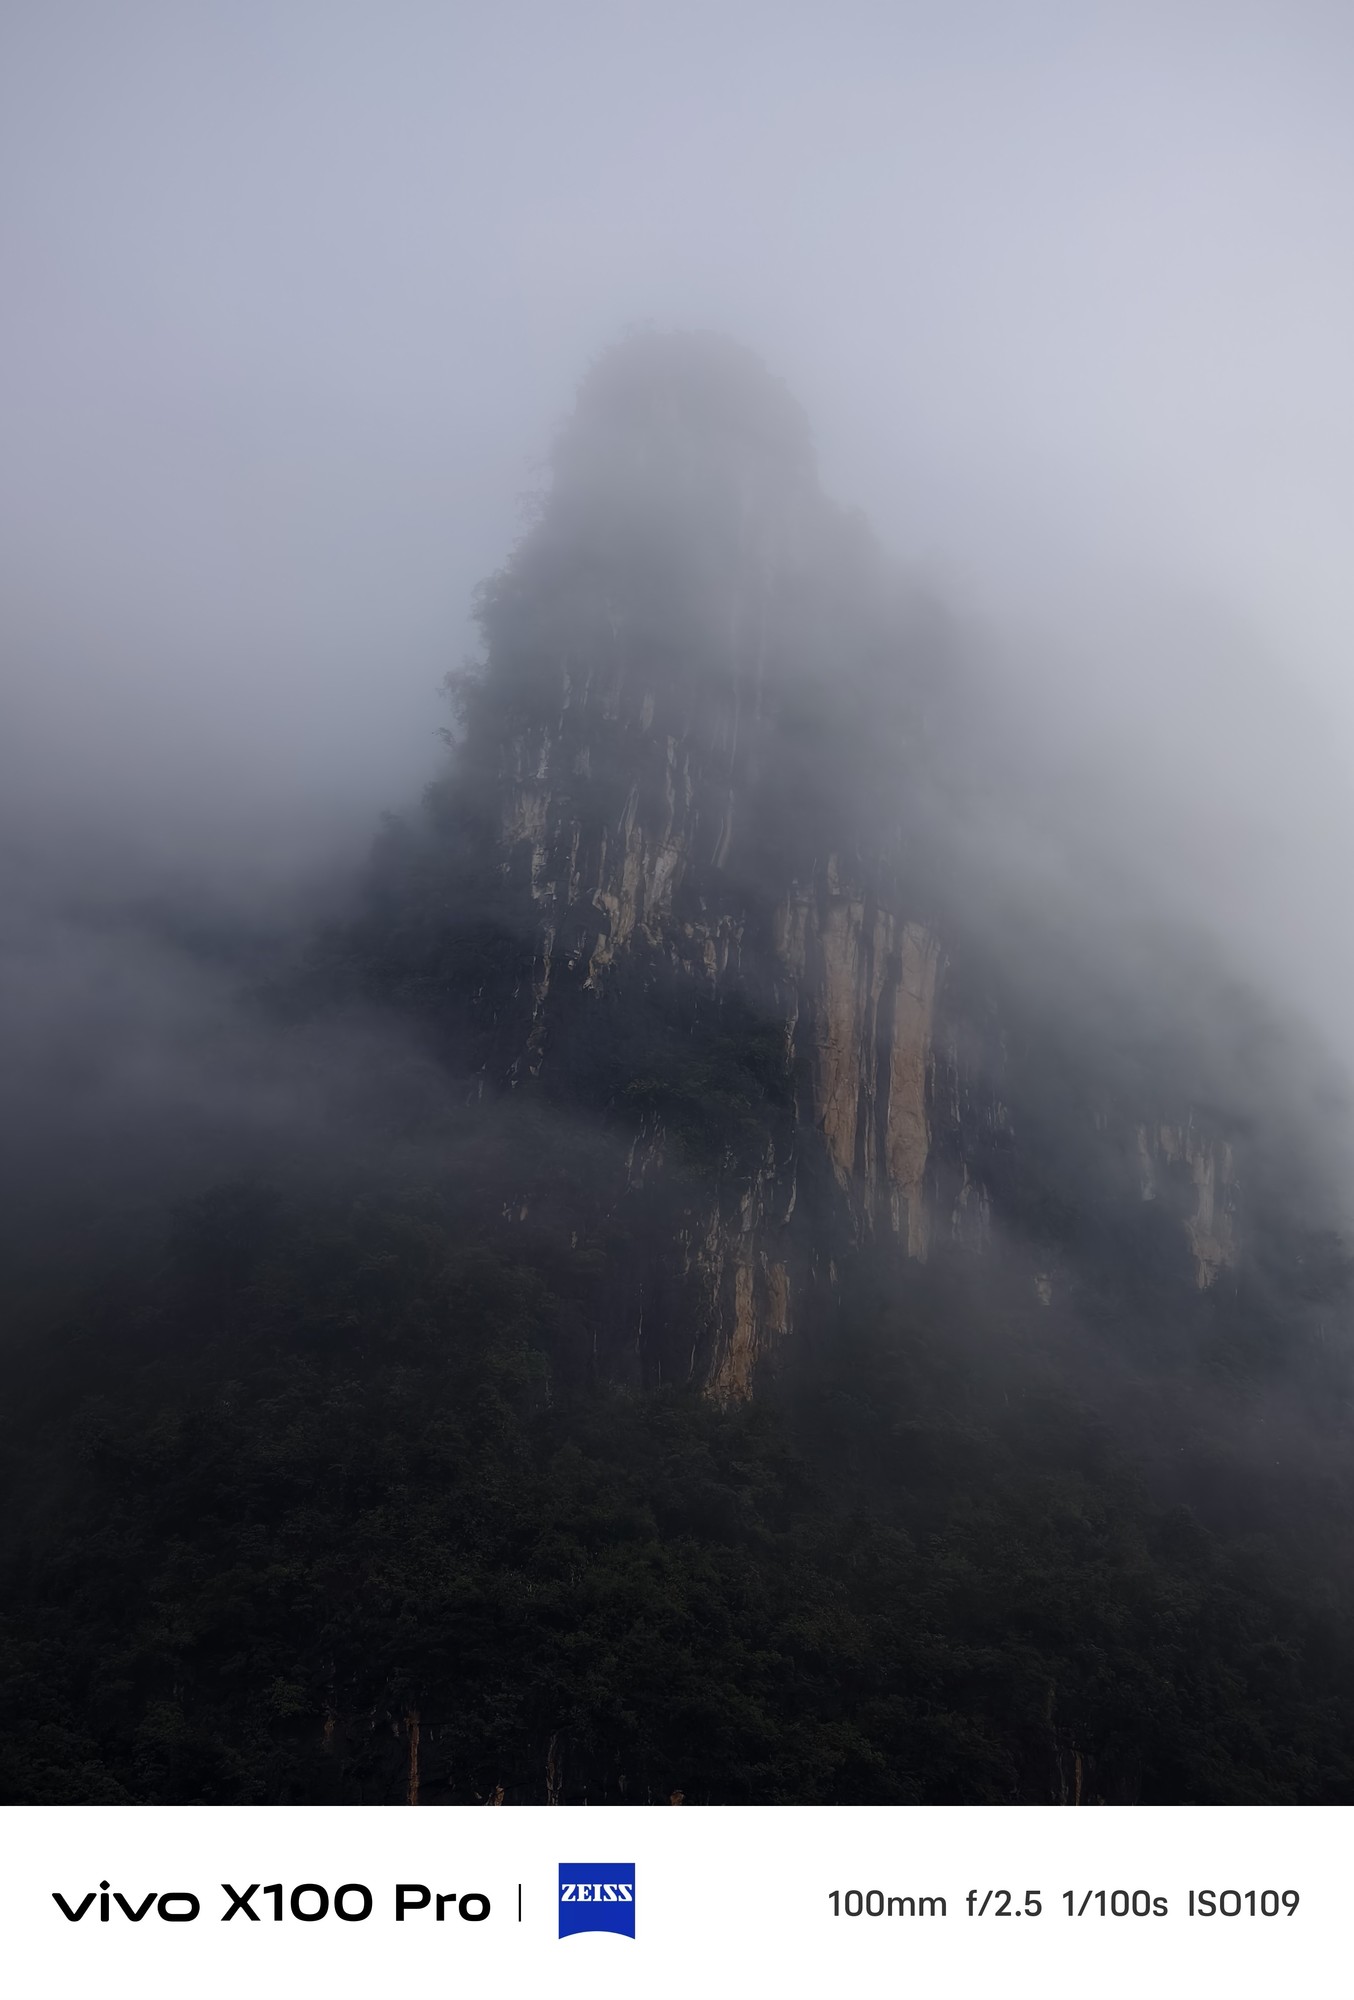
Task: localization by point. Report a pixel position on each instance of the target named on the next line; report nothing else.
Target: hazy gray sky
(296, 294)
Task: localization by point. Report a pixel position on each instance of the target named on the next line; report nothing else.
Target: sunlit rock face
(709, 742)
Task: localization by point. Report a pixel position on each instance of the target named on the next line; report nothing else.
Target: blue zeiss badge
(597, 1896)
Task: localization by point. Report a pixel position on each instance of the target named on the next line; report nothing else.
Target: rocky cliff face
(697, 741)
(1202, 1166)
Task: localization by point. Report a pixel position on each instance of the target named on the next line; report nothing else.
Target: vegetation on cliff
(334, 1471)
(394, 1472)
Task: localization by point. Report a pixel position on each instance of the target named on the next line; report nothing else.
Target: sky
(296, 296)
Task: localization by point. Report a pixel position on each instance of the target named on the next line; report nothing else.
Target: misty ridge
(154, 1035)
(776, 1240)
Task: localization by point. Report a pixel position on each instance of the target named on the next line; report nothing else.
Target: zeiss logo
(597, 1896)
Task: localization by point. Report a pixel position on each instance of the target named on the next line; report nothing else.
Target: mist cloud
(296, 302)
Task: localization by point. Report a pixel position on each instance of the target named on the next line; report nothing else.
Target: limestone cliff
(700, 742)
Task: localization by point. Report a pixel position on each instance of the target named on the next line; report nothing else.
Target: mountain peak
(666, 392)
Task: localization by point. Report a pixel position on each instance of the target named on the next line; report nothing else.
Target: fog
(783, 1228)
(297, 299)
